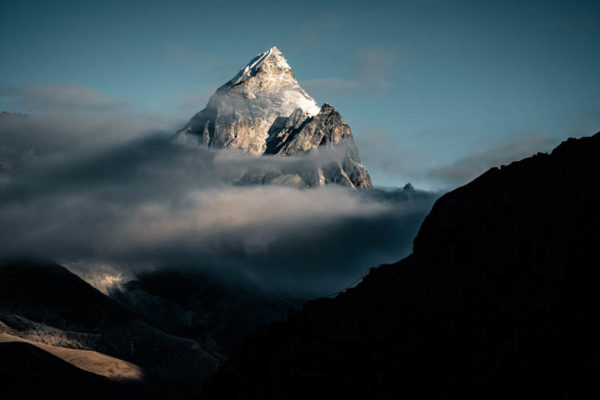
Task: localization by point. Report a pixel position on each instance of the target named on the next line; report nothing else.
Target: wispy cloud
(379, 150)
(373, 71)
(32, 98)
(472, 165)
(189, 103)
(26, 141)
(311, 30)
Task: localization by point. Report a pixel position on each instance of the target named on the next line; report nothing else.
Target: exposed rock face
(295, 134)
(498, 300)
(264, 110)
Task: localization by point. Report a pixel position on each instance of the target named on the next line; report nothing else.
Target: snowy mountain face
(263, 110)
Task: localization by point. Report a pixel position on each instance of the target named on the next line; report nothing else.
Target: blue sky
(434, 90)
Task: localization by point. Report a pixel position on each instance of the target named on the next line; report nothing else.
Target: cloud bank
(149, 202)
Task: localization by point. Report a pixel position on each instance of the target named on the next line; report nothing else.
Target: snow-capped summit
(269, 71)
(262, 107)
(241, 111)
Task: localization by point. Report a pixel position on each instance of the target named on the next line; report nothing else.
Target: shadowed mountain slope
(27, 372)
(159, 336)
(44, 291)
(43, 304)
(192, 304)
(498, 300)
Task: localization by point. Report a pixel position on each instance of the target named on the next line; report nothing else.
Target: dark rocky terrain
(41, 290)
(177, 327)
(192, 304)
(498, 300)
(27, 372)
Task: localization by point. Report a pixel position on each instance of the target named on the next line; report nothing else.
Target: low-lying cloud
(28, 141)
(150, 202)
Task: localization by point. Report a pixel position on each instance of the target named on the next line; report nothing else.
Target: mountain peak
(274, 52)
(269, 68)
(241, 111)
(263, 109)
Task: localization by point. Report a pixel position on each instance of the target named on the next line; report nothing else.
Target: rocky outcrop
(498, 300)
(295, 134)
(263, 110)
(327, 129)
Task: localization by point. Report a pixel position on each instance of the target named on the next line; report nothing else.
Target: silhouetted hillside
(43, 291)
(193, 304)
(43, 303)
(499, 300)
(174, 326)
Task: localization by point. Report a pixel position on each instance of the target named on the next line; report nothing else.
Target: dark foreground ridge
(30, 373)
(175, 326)
(499, 300)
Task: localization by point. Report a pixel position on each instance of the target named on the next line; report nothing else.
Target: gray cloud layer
(29, 141)
(150, 202)
(90, 190)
